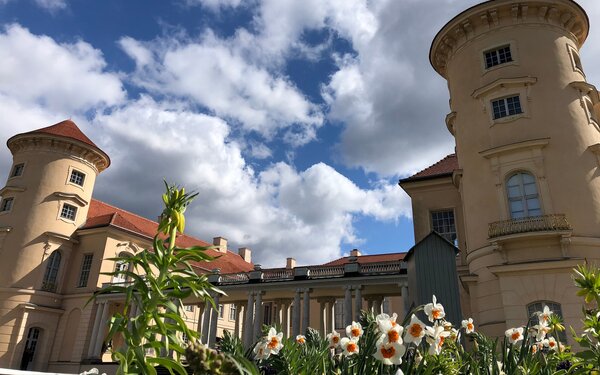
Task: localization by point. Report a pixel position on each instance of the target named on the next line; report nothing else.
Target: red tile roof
(67, 129)
(101, 214)
(442, 168)
(363, 259)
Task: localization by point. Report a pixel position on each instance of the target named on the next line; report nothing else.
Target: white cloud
(66, 77)
(52, 5)
(278, 212)
(214, 74)
(215, 5)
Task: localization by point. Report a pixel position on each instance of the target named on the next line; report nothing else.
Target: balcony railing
(544, 223)
(278, 274)
(319, 272)
(381, 268)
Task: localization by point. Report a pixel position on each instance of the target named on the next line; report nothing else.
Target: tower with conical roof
(527, 133)
(44, 201)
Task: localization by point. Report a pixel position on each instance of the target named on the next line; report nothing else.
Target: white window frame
(232, 312)
(511, 44)
(445, 210)
(85, 271)
(14, 169)
(221, 310)
(188, 308)
(62, 209)
(49, 284)
(504, 101)
(523, 197)
(3, 202)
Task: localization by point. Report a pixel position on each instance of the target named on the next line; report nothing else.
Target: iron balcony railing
(544, 223)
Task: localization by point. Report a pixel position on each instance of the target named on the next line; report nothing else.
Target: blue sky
(294, 120)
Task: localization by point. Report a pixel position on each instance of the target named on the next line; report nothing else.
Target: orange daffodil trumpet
(389, 353)
(435, 337)
(301, 339)
(434, 310)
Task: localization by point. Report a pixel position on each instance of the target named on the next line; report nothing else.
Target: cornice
(16, 189)
(531, 144)
(501, 83)
(73, 197)
(96, 158)
(494, 15)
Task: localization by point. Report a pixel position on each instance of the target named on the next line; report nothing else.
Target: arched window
(33, 336)
(523, 199)
(121, 266)
(51, 275)
(538, 306)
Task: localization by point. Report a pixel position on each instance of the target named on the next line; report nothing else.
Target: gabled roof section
(364, 259)
(442, 168)
(101, 214)
(431, 236)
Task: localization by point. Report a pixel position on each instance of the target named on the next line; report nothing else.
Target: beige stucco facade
(512, 259)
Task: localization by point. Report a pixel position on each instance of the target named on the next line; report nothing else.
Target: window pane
(514, 191)
(516, 206)
(533, 204)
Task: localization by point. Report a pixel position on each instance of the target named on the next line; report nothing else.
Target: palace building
(499, 224)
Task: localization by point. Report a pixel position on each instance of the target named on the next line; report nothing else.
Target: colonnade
(292, 315)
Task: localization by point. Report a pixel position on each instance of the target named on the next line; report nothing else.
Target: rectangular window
(443, 223)
(86, 266)
(232, 312)
(189, 308)
(497, 56)
(77, 177)
(221, 310)
(7, 204)
(68, 212)
(506, 107)
(17, 170)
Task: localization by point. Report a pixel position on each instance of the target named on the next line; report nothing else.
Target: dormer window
(505, 107)
(497, 56)
(77, 177)
(17, 170)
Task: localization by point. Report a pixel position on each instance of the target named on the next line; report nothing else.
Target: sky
(293, 120)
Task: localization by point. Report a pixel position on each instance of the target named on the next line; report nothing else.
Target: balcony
(544, 223)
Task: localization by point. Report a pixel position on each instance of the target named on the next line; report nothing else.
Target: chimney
(290, 263)
(221, 244)
(246, 254)
(355, 253)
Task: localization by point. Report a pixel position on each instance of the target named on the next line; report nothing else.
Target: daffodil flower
(514, 335)
(354, 330)
(544, 315)
(468, 325)
(434, 310)
(435, 337)
(301, 339)
(415, 330)
(389, 353)
(334, 339)
(261, 352)
(273, 341)
(349, 346)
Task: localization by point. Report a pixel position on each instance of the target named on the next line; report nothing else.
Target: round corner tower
(528, 143)
(45, 200)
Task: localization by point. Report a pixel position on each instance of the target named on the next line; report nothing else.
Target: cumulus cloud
(278, 211)
(214, 74)
(62, 77)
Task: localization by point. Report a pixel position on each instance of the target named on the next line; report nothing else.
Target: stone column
(213, 322)
(306, 311)
(206, 322)
(101, 306)
(296, 314)
(238, 314)
(258, 320)
(370, 304)
(201, 309)
(330, 315)
(248, 324)
(348, 306)
(357, 303)
(285, 318)
(323, 317)
(406, 303)
(377, 305)
(101, 331)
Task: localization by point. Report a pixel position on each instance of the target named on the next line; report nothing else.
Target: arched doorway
(33, 336)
